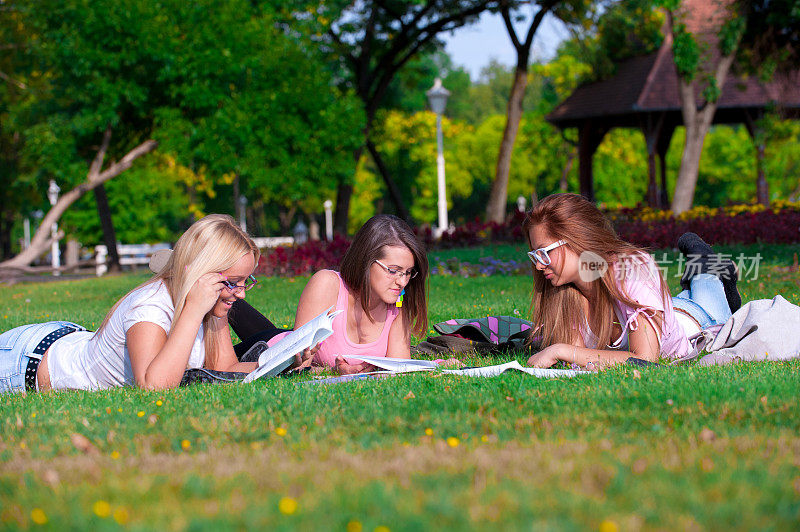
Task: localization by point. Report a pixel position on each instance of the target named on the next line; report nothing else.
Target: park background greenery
(249, 98)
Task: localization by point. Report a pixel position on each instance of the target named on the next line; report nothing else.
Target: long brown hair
(379, 231)
(557, 312)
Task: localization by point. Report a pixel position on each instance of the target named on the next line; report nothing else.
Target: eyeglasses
(394, 272)
(540, 255)
(249, 283)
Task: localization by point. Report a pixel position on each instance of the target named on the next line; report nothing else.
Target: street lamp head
(437, 97)
(52, 192)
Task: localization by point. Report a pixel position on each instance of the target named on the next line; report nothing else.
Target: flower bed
(304, 259)
(738, 224)
(486, 266)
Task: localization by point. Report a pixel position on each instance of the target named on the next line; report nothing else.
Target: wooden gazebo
(644, 94)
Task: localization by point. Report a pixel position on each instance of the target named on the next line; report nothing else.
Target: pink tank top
(339, 344)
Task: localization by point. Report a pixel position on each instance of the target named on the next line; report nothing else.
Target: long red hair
(557, 311)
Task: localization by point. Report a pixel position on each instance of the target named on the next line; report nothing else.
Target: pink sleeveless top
(339, 344)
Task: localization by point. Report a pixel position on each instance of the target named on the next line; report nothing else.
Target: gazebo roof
(649, 84)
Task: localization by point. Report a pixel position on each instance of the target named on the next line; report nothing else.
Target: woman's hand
(205, 292)
(303, 360)
(548, 356)
(349, 369)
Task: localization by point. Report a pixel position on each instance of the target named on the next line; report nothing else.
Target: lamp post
(437, 98)
(328, 204)
(55, 253)
(242, 212)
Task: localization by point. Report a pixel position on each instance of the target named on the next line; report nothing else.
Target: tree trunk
(762, 188)
(343, 194)
(757, 134)
(563, 184)
(109, 235)
(394, 192)
(6, 223)
(285, 218)
(690, 166)
(697, 120)
(662, 148)
(498, 197)
(41, 241)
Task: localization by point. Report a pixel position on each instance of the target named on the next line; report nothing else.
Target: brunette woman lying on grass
(176, 320)
(380, 289)
(598, 300)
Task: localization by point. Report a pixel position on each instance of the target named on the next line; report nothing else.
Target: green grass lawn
(660, 448)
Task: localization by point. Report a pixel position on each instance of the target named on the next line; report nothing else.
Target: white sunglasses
(540, 255)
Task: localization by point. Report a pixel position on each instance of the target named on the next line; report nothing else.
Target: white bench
(263, 242)
(129, 255)
(139, 254)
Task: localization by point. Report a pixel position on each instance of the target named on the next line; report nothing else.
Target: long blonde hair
(557, 311)
(212, 244)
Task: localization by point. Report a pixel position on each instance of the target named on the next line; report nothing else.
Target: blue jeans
(16, 348)
(705, 301)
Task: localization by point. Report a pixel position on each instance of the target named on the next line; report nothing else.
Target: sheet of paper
(397, 364)
(493, 371)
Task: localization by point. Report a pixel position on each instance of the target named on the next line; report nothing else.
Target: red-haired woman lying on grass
(598, 300)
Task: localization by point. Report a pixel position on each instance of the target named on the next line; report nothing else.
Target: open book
(405, 365)
(279, 356)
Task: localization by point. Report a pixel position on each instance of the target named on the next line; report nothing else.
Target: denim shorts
(16, 348)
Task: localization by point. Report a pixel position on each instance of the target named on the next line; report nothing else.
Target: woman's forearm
(166, 368)
(599, 358)
(245, 367)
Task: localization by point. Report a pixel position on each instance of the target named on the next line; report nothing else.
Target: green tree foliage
(152, 191)
(223, 88)
(369, 42)
(488, 95)
(729, 162)
(625, 29)
(771, 39)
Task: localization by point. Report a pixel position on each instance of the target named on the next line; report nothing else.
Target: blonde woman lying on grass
(175, 321)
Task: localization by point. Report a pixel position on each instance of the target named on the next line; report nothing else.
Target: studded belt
(44, 345)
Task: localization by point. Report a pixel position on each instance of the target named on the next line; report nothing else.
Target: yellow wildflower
(38, 516)
(102, 509)
(287, 505)
(121, 515)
